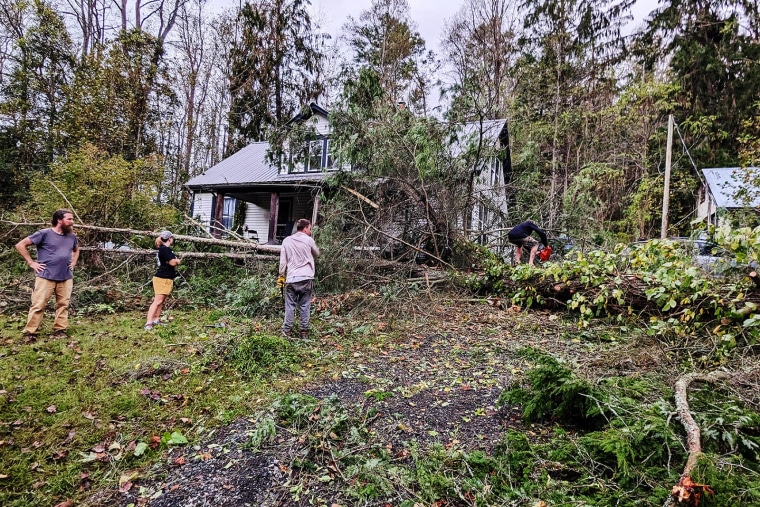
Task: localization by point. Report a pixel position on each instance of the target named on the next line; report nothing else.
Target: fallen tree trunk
(631, 297)
(688, 492)
(243, 245)
(183, 255)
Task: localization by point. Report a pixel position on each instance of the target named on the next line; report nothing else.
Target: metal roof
(249, 166)
(729, 187)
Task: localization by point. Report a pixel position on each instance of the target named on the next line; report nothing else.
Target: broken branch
(687, 491)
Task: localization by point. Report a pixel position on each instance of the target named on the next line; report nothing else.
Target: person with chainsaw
(297, 269)
(163, 280)
(520, 236)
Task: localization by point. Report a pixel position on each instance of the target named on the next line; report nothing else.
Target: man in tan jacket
(297, 262)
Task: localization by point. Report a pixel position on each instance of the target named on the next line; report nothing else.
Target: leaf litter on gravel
(434, 388)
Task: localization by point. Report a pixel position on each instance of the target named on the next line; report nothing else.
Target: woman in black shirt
(163, 280)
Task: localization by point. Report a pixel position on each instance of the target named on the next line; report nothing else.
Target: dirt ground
(446, 379)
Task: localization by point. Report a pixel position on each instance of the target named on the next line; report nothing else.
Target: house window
(328, 155)
(228, 215)
(482, 223)
(313, 160)
(495, 174)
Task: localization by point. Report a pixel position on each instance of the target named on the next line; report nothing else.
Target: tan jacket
(297, 257)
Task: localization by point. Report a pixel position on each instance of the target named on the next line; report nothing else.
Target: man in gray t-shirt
(57, 254)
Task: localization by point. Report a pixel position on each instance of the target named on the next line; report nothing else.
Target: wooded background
(117, 104)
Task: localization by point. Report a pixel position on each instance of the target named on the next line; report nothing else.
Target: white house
(275, 198)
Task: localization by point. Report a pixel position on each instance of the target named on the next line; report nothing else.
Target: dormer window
(314, 159)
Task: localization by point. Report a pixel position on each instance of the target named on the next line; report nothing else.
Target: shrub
(556, 392)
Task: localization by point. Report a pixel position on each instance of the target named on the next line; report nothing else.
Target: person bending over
(520, 236)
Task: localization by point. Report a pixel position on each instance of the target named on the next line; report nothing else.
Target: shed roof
(729, 187)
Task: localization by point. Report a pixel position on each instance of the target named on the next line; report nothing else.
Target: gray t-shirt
(54, 250)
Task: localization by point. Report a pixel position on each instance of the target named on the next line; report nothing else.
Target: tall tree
(566, 73)
(385, 40)
(714, 55)
(275, 67)
(128, 79)
(480, 46)
(32, 93)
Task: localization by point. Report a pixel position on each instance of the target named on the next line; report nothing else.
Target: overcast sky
(430, 15)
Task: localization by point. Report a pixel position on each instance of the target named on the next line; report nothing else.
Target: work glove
(280, 282)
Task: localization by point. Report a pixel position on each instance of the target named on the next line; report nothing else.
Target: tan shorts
(162, 285)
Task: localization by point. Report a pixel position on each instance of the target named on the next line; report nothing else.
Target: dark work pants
(297, 295)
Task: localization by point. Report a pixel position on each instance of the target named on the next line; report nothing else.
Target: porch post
(274, 208)
(315, 210)
(216, 221)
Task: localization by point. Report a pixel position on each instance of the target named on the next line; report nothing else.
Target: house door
(284, 221)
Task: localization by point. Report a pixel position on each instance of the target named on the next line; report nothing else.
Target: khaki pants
(43, 289)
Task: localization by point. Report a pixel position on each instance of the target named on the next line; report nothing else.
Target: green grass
(79, 405)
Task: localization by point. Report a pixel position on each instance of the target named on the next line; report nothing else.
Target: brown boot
(29, 338)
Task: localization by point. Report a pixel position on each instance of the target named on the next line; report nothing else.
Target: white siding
(320, 123)
(202, 203)
(257, 219)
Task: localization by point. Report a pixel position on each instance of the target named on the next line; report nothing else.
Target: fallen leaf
(127, 477)
(66, 503)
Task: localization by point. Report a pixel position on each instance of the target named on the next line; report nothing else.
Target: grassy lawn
(77, 413)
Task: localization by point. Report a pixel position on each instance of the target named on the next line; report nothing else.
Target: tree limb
(245, 245)
(687, 492)
(184, 255)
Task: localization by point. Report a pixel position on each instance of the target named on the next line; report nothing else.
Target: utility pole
(666, 190)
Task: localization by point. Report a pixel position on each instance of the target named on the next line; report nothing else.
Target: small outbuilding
(727, 189)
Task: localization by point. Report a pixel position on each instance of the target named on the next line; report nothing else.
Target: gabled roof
(308, 113)
(729, 189)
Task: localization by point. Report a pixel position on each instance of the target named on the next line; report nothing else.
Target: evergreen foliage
(556, 392)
